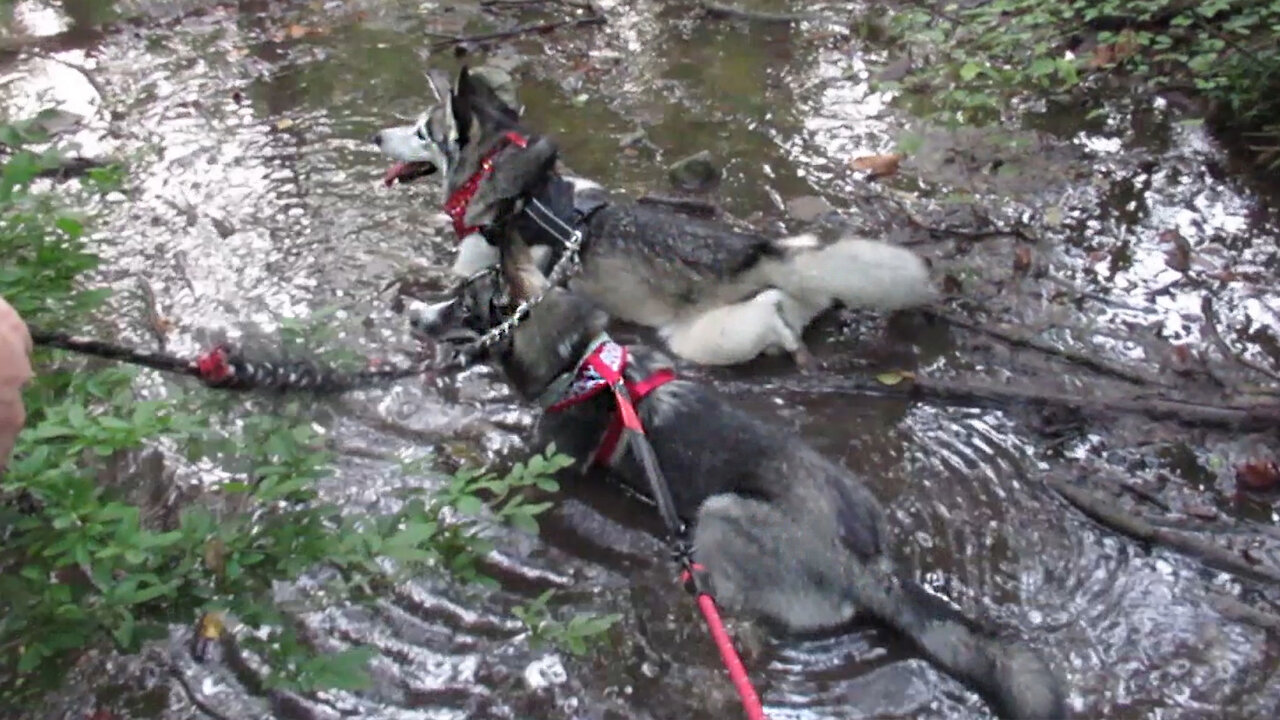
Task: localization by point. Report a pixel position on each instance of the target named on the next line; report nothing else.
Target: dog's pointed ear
(461, 102)
(518, 172)
(439, 85)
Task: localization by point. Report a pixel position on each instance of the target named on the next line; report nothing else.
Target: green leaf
(524, 522)
(969, 71)
(468, 505)
(413, 534)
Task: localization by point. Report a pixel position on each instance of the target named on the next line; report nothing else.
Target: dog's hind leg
(759, 561)
(732, 334)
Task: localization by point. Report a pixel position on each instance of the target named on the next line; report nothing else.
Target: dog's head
(465, 313)
(466, 137)
(425, 147)
(549, 341)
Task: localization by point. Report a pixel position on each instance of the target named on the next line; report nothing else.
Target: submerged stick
(1212, 554)
(1032, 343)
(1255, 418)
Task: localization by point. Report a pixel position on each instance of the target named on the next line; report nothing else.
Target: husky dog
(785, 535)
(716, 295)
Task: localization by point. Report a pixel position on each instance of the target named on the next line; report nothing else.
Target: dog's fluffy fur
(785, 534)
(716, 295)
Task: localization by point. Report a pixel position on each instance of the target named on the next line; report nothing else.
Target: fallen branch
(1105, 512)
(595, 18)
(1255, 418)
(721, 10)
(1233, 609)
(1032, 343)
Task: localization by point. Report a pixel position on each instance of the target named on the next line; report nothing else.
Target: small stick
(1031, 343)
(1105, 512)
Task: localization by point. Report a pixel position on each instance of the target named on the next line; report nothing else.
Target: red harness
(605, 368)
(456, 205)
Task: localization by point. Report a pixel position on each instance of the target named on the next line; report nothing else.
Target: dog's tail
(1011, 677)
(859, 273)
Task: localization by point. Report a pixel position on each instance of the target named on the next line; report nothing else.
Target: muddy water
(253, 199)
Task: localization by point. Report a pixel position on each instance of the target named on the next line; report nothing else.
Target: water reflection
(254, 199)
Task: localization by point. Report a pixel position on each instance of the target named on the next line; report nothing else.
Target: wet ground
(253, 198)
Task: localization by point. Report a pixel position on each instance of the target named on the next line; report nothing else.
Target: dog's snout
(429, 318)
(376, 139)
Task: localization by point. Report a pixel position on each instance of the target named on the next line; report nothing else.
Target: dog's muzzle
(439, 322)
(413, 158)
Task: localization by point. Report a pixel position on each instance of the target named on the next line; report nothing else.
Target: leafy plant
(573, 636)
(87, 560)
(982, 57)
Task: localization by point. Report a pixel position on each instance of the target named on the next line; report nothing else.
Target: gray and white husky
(784, 534)
(716, 295)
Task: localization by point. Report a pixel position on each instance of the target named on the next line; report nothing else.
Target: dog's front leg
(520, 269)
(474, 254)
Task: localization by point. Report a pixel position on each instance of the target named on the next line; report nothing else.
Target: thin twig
(596, 18)
(1106, 513)
(1211, 326)
(84, 71)
(934, 231)
(1032, 343)
(1233, 609)
(1090, 295)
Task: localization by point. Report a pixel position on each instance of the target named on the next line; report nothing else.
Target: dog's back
(783, 532)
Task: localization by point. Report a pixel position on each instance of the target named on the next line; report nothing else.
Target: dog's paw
(806, 362)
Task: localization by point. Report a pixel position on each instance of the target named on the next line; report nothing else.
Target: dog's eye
(421, 133)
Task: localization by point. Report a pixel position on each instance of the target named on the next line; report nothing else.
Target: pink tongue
(394, 172)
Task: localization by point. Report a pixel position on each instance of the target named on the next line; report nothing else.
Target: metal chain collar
(568, 264)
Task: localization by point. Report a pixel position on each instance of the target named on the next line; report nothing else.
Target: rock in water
(696, 173)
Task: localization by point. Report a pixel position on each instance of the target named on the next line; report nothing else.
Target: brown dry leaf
(1258, 475)
(284, 124)
(1179, 258)
(299, 31)
(215, 556)
(1021, 259)
(879, 165)
(1223, 276)
(161, 325)
(1182, 353)
(951, 284)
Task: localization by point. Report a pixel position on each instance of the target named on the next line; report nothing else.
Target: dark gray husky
(716, 295)
(785, 534)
